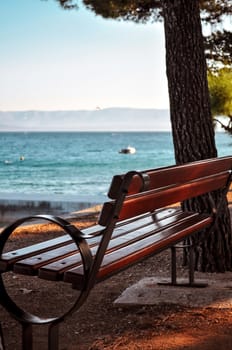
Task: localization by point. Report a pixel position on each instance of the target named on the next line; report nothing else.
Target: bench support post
(191, 266)
(27, 336)
(191, 261)
(2, 346)
(53, 336)
(173, 267)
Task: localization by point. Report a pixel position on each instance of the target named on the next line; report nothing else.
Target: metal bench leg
(173, 263)
(173, 269)
(191, 265)
(192, 283)
(2, 346)
(53, 336)
(27, 336)
(191, 261)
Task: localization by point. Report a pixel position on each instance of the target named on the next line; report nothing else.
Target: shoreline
(15, 205)
(53, 197)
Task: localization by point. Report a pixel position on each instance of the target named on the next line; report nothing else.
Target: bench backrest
(136, 193)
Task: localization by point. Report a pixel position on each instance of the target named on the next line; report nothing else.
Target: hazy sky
(53, 59)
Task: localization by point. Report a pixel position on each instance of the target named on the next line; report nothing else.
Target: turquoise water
(81, 164)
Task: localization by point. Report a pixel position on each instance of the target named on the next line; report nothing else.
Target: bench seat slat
(55, 270)
(142, 248)
(30, 266)
(8, 259)
(43, 253)
(169, 237)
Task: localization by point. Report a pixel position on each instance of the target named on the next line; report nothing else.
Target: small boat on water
(128, 150)
(8, 162)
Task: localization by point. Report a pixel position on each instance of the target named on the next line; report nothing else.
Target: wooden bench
(138, 221)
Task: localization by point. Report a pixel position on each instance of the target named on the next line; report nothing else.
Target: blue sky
(53, 59)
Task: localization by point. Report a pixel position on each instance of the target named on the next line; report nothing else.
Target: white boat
(7, 162)
(128, 150)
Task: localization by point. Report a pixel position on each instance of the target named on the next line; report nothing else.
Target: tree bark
(192, 124)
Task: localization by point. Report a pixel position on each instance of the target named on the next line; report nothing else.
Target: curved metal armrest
(86, 255)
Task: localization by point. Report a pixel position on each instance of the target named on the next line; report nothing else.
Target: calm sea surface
(80, 164)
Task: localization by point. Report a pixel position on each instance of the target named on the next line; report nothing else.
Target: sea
(78, 166)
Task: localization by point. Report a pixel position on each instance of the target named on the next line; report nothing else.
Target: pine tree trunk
(192, 126)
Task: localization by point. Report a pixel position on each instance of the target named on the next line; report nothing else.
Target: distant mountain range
(109, 119)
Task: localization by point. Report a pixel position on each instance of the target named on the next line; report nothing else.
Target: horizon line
(81, 109)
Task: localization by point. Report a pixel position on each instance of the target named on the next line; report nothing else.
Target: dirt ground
(101, 325)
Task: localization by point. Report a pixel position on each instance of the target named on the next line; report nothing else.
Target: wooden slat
(166, 176)
(8, 259)
(35, 251)
(190, 172)
(152, 244)
(55, 270)
(60, 258)
(126, 256)
(30, 265)
(140, 203)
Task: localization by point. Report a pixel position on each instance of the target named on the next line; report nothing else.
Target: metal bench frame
(92, 264)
